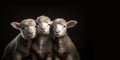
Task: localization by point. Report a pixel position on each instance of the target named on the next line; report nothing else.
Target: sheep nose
(57, 31)
(42, 28)
(30, 32)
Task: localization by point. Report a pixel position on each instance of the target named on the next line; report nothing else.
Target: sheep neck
(42, 41)
(61, 41)
(25, 42)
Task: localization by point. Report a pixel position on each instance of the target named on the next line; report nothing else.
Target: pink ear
(71, 23)
(15, 25)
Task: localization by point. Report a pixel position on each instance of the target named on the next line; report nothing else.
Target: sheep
(42, 46)
(19, 47)
(63, 47)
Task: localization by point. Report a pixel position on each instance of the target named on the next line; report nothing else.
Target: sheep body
(42, 46)
(64, 48)
(18, 48)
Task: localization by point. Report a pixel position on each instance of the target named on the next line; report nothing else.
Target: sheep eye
(23, 28)
(64, 26)
(53, 26)
(37, 24)
(48, 24)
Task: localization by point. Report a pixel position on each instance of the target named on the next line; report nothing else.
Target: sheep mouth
(31, 36)
(57, 35)
(42, 31)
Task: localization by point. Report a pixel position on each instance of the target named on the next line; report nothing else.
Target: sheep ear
(15, 25)
(71, 23)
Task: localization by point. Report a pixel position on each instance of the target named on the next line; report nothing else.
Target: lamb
(19, 47)
(42, 46)
(63, 47)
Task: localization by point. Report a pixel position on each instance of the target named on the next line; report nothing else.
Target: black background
(82, 34)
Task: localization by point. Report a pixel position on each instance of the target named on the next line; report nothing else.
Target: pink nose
(43, 28)
(30, 32)
(57, 31)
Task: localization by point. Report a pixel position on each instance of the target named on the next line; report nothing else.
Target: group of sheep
(42, 39)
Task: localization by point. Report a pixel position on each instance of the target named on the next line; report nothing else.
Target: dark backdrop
(81, 35)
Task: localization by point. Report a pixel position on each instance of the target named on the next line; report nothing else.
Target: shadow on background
(80, 34)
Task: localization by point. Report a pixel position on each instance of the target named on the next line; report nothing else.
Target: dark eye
(53, 26)
(23, 28)
(37, 24)
(48, 24)
(64, 26)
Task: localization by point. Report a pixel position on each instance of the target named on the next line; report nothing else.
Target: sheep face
(27, 28)
(59, 26)
(43, 25)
